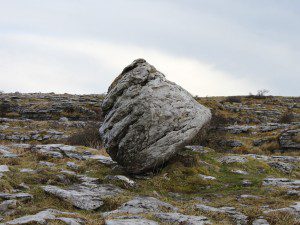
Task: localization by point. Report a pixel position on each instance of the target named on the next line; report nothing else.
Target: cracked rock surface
(86, 197)
(148, 118)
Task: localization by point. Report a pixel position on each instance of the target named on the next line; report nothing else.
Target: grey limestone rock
(140, 205)
(241, 172)
(237, 129)
(205, 177)
(19, 196)
(72, 165)
(130, 222)
(58, 151)
(44, 216)
(4, 168)
(178, 218)
(88, 197)
(290, 139)
(260, 221)
(63, 119)
(237, 216)
(293, 209)
(282, 182)
(6, 205)
(148, 119)
(102, 159)
(233, 159)
(282, 166)
(128, 182)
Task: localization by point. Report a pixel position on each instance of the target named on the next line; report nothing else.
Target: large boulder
(147, 119)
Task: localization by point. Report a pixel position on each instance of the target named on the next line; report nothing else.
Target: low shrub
(261, 94)
(4, 108)
(270, 146)
(219, 119)
(233, 99)
(89, 137)
(287, 117)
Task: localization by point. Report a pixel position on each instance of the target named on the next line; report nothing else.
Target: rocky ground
(54, 171)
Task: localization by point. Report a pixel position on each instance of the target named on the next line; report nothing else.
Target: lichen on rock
(148, 118)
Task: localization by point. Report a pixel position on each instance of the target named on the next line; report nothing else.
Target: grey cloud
(255, 39)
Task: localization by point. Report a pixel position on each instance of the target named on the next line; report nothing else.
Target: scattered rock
(72, 221)
(8, 204)
(69, 172)
(178, 218)
(63, 119)
(140, 205)
(4, 168)
(24, 186)
(27, 170)
(130, 222)
(148, 118)
(242, 172)
(258, 157)
(3, 127)
(128, 182)
(246, 183)
(293, 193)
(5, 151)
(49, 164)
(204, 177)
(260, 142)
(233, 159)
(293, 209)
(287, 159)
(282, 182)
(72, 165)
(103, 159)
(282, 166)
(249, 196)
(83, 196)
(197, 148)
(237, 216)
(237, 129)
(36, 135)
(21, 145)
(231, 143)
(290, 139)
(260, 222)
(19, 196)
(272, 126)
(44, 216)
(58, 151)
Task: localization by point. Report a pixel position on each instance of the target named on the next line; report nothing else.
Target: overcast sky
(209, 47)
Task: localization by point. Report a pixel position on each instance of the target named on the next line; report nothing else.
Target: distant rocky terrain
(54, 169)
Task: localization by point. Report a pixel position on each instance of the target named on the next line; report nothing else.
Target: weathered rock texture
(148, 118)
